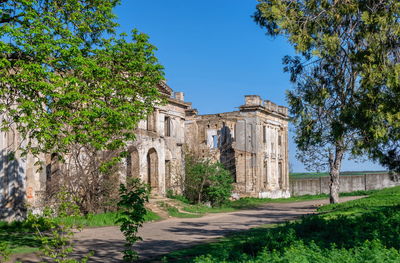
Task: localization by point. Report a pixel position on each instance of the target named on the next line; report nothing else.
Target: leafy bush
(5, 252)
(219, 187)
(206, 181)
(132, 212)
(56, 237)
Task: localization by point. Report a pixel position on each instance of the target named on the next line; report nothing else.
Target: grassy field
(364, 230)
(243, 203)
(19, 236)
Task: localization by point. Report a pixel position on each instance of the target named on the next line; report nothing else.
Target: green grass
(251, 202)
(363, 230)
(376, 201)
(19, 236)
(103, 219)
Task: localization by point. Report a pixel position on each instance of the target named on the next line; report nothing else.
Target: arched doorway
(132, 164)
(152, 169)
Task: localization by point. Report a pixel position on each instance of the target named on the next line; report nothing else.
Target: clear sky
(215, 53)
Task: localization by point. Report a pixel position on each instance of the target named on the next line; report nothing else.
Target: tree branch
(10, 19)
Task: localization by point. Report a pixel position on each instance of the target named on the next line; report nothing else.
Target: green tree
(67, 78)
(343, 46)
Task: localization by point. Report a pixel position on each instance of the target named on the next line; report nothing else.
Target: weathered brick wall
(349, 183)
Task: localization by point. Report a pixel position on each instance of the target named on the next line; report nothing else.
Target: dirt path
(168, 235)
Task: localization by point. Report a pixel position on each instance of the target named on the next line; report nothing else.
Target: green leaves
(132, 212)
(62, 82)
(55, 236)
(206, 181)
(347, 81)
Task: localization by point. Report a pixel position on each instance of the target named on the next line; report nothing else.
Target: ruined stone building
(252, 143)
(157, 154)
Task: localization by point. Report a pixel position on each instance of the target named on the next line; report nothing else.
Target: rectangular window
(167, 126)
(265, 173)
(280, 175)
(280, 140)
(215, 141)
(264, 134)
(150, 122)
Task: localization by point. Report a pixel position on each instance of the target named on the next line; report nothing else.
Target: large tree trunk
(335, 162)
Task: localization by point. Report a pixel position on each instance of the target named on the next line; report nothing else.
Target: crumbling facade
(157, 155)
(252, 143)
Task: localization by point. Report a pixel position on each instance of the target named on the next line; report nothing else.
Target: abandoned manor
(251, 142)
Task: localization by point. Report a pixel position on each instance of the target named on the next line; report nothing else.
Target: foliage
(67, 78)
(220, 187)
(206, 181)
(299, 252)
(19, 235)
(347, 78)
(5, 252)
(56, 238)
(132, 211)
(371, 233)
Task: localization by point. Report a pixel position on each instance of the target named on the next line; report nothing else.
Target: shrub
(5, 252)
(206, 181)
(56, 237)
(132, 212)
(220, 185)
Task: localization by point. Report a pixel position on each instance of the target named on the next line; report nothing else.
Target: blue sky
(214, 52)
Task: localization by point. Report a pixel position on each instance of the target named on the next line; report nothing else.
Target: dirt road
(165, 236)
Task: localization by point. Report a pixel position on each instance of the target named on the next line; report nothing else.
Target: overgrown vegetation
(55, 238)
(18, 236)
(206, 181)
(5, 252)
(363, 230)
(132, 211)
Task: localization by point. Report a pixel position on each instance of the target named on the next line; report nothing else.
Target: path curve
(168, 235)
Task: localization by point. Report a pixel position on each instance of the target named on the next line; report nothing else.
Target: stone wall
(252, 143)
(349, 183)
(21, 181)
